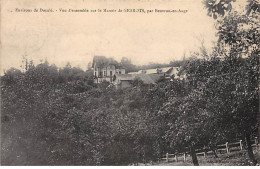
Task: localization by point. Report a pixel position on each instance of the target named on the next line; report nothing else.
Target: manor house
(106, 69)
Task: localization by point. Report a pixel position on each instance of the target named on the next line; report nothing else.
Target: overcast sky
(77, 37)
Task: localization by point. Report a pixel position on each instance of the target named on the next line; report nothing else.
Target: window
(104, 73)
(100, 74)
(110, 73)
(119, 72)
(95, 74)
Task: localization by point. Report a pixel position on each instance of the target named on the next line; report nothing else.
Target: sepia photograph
(130, 82)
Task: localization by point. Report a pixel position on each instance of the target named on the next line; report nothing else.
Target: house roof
(132, 72)
(166, 69)
(150, 71)
(102, 61)
(154, 71)
(149, 78)
(146, 78)
(140, 71)
(174, 71)
(125, 77)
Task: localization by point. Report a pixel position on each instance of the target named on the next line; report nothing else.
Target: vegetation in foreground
(52, 116)
(239, 158)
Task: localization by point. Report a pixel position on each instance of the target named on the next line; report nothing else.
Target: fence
(222, 148)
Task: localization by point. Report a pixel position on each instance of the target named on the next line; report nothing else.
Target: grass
(235, 158)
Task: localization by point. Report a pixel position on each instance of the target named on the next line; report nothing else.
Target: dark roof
(102, 61)
(149, 78)
(125, 77)
(154, 71)
(146, 78)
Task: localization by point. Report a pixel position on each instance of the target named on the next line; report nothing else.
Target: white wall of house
(106, 73)
(120, 71)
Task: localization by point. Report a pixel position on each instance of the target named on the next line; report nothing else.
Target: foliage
(56, 116)
(52, 116)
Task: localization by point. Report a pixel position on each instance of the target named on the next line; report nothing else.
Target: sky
(62, 37)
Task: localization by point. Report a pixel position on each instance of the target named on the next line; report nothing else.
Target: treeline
(60, 117)
(55, 118)
(52, 116)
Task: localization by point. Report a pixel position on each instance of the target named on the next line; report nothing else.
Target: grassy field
(237, 158)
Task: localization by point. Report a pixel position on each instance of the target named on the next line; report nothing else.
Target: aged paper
(98, 82)
(74, 31)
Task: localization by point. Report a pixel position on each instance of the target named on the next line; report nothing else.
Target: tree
(218, 7)
(239, 38)
(127, 64)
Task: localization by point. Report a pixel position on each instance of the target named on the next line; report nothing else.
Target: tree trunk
(194, 156)
(214, 151)
(215, 154)
(250, 150)
(144, 160)
(258, 120)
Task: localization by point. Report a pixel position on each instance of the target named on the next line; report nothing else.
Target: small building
(125, 80)
(105, 69)
(165, 71)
